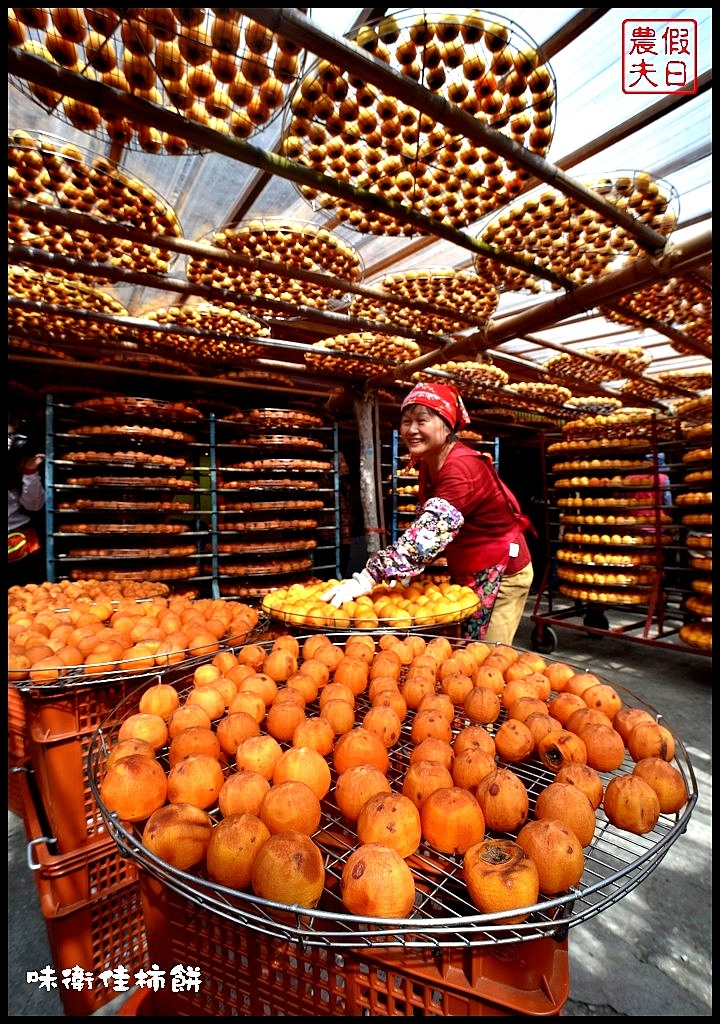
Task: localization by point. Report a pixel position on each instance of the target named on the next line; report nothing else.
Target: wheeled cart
(656, 624)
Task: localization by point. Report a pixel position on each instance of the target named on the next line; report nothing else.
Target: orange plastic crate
(245, 973)
(522, 979)
(15, 798)
(64, 880)
(60, 728)
(18, 749)
(100, 935)
(18, 736)
(138, 1004)
(97, 934)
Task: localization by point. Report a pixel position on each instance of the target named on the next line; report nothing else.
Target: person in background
(464, 511)
(654, 497)
(26, 496)
(653, 487)
(663, 478)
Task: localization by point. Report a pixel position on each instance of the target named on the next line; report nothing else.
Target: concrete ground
(649, 954)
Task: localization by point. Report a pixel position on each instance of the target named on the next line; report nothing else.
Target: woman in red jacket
(464, 512)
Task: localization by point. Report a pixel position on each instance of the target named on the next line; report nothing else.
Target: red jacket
(491, 511)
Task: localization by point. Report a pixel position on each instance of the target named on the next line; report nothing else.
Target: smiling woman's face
(422, 431)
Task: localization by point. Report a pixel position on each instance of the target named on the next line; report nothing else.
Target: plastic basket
(18, 749)
(15, 797)
(98, 934)
(525, 979)
(64, 880)
(61, 726)
(244, 973)
(18, 737)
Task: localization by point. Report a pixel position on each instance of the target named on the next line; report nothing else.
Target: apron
(21, 543)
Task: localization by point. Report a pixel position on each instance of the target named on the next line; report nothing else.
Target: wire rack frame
(616, 862)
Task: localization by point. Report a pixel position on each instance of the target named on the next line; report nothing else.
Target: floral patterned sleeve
(436, 524)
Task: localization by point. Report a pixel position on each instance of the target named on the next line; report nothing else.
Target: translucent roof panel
(598, 130)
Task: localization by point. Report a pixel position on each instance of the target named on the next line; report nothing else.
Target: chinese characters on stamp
(659, 55)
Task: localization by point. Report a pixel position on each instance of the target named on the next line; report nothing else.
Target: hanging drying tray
(475, 377)
(680, 303)
(486, 65)
(460, 290)
(292, 244)
(216, 67)
(149, 362)
(197, 322)
(49, 172)
(36, 349)
(571, 240)
(363, 353)
(55, 289)
(47, 287)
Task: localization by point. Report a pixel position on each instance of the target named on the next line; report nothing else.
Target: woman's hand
(349, 590)
(31, 465)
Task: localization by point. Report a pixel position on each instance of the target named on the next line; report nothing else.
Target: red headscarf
(443, 399)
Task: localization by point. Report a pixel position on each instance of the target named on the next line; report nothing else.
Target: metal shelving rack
(277, 490)
(130, 495)
(130, 501)
(581, 588)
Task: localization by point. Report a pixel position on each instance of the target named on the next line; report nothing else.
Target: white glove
(349, 590)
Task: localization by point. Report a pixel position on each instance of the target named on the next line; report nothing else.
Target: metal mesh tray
(616, 862)
(421, 624)
(272, 417)
(129, 406)
(133, 431)
(406, 614)
(77, 678)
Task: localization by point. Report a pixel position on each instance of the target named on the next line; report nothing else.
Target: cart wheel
(544, 640)
(596, 620)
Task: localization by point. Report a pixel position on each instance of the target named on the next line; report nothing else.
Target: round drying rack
(616, 861)
(78, 678)
(432, 623)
